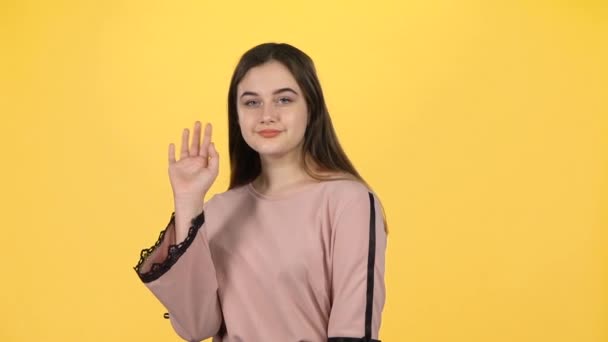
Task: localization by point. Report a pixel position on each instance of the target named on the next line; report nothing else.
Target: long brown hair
(324, 158)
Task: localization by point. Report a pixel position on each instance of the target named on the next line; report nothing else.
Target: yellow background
(482, 125)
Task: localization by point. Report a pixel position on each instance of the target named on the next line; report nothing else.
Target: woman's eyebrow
(278, 91)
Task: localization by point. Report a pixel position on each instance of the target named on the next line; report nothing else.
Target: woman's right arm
(182, 276)
(178, 269)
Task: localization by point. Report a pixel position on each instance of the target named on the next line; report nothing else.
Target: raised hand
(197, 168)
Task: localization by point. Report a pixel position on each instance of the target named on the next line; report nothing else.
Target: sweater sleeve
(358, 289)
(182, 276)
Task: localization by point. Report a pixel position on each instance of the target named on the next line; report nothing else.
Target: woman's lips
(269, 133)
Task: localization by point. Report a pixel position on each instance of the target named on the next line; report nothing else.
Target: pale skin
(268, 98)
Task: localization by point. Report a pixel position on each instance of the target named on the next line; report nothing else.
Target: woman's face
(272, 110)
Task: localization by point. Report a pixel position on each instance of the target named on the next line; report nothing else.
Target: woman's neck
(281, 175)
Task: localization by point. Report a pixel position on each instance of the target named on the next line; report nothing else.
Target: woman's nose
(268, 113)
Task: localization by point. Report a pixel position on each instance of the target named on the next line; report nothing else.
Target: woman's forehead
(267, 78)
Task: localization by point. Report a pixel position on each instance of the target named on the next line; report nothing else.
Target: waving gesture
(197, 168)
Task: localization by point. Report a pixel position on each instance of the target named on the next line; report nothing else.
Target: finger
(196, 139)
(171, 153)
(206, 140)
(184, 151)
(214, 159)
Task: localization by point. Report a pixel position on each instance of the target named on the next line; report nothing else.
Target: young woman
(294, 250)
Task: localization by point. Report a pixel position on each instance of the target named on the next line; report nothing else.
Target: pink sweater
(308, 266)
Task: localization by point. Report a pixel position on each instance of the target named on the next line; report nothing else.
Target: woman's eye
(284, 100)
(251, 103)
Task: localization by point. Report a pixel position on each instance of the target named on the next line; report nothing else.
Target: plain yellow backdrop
(482, 125)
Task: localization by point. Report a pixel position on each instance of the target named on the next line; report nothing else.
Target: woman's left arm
(358, 257)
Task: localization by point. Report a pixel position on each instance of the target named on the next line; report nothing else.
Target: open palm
(197, 168)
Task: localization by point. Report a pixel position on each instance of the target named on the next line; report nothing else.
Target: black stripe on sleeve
(371, 255)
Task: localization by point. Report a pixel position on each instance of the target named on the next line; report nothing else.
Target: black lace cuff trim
(174, 253)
